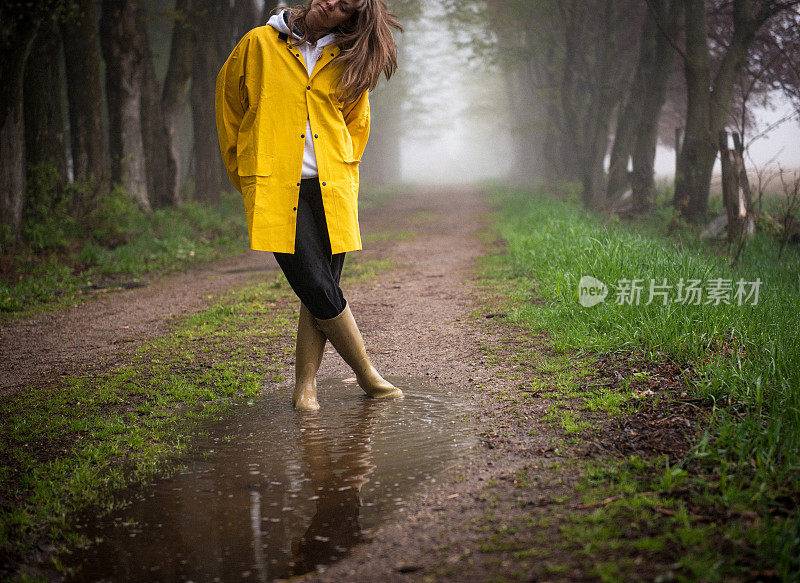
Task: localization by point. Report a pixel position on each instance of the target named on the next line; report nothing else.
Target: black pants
(312, 271)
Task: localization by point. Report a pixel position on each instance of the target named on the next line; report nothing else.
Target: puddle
(274, 493)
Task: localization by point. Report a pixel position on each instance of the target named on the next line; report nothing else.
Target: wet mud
(271, 493)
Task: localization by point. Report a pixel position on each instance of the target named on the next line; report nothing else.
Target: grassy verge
(65, 260)
(728, 507)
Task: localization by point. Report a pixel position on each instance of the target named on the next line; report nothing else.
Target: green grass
(68, 445)
(637, 517)
(63, 258)
(744, 359)
(358, 269)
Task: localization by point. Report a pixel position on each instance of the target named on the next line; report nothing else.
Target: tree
(773, 67)
(84, 92)
(568, 64)
(124, 52)
(44, 121)
(709, 96)
(212, 25)
(780, 65)
(598, 65)
(636, 134)
(160, 166)
(176, 86)
(18, 26)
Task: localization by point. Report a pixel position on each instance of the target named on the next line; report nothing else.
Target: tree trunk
(610, 76)
(707, 110)
(593, 151)
(624, 138)
(17, 31)
(213, 26)
(84, 93)
(44, 122)
(644, 152)
(699, 150)
(592, 178)
(160, 167)
(643, 185)
(730, 190)
(176, 86)
(124, 54)
(630, 118)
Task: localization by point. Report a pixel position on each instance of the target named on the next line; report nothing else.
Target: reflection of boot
(308, 356)
(338, 468)
(343, 333)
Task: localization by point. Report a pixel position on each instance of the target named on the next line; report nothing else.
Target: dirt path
(413, 317)
(93, 335)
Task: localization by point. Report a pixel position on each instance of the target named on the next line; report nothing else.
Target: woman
(292, 104)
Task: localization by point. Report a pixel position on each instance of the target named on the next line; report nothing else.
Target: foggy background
(458, 129)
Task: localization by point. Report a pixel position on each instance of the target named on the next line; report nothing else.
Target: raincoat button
(298, 184)
(308, 88)
(302, 136)
(294, 209)
(316, 136)
(324, 184)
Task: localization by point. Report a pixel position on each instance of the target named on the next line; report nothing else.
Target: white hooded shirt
(311, 53)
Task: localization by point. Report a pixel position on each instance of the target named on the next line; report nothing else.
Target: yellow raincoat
(264, 97)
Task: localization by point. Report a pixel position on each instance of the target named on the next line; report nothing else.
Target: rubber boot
(308, 356)
(343, 333)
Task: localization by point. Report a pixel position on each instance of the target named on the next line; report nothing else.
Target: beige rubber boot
(308, 356)
(343, 333)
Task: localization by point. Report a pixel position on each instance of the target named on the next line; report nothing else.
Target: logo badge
(591, 291)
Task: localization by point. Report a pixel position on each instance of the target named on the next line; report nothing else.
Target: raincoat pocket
(250, 165)
(347, 139)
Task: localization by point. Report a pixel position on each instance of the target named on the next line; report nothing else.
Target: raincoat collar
(279, 22)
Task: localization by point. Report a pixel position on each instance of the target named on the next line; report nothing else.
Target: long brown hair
(366, 42)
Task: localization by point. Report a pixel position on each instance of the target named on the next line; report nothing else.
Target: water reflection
(336, 478)
(274, 493)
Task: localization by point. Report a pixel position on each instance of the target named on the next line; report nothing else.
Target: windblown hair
(366, 42)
